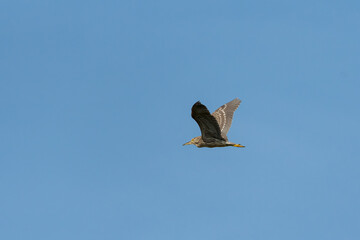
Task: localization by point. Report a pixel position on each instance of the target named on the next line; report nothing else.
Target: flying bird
(214, 127)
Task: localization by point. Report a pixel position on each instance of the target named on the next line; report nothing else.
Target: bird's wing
(209, 127)
(224, 115)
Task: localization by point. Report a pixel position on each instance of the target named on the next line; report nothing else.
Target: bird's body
(197, 141)
(214, 127)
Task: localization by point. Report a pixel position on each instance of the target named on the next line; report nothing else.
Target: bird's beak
(188, 143)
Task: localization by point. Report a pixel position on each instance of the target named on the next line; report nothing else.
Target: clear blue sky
(95, 101)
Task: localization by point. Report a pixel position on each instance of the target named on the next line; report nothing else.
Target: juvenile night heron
(215, 126)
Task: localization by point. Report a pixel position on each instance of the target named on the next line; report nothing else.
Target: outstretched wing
(209, 127)
(224, 115)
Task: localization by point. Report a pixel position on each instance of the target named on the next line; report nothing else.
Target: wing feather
(224, 115)
(210, 130)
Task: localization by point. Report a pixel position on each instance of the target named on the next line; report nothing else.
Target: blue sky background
(95, 99)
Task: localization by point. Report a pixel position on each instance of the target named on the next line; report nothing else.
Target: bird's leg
(238, 145)
(235, 145)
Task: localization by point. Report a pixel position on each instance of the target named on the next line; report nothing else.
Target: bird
(214, 127)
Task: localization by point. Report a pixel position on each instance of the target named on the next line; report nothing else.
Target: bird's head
(193, 141)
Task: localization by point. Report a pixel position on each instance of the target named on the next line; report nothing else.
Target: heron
(214, 127)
